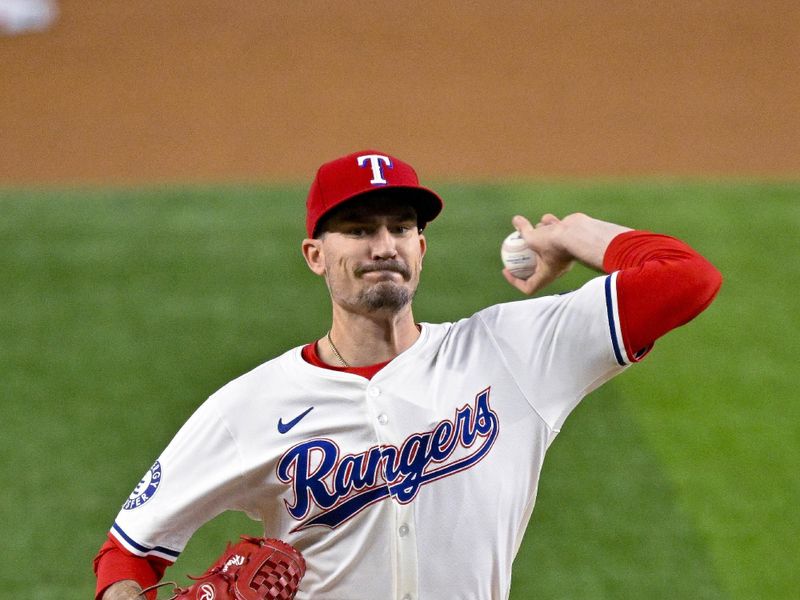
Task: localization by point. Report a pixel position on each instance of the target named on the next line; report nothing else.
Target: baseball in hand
(517, 257)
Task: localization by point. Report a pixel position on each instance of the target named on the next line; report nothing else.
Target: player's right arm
(662, 282)
(559, 348)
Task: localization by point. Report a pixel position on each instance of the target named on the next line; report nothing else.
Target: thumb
(522, 224)
(527, 231)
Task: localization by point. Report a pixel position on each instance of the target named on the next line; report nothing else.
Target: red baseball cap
(366, 172)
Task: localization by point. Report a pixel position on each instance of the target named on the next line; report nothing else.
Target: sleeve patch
(147, 487)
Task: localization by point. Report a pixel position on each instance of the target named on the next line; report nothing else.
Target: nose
(383, 244)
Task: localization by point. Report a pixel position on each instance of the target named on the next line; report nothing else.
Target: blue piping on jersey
(611, 326)
(144, 549)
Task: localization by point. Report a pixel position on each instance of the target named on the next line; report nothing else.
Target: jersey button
(406, 597)
(403, 530)
(374, 391)
(383, 419)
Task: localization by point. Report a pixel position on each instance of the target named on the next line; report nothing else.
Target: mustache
(384, 265)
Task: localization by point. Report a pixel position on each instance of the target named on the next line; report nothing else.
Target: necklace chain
(335, 351)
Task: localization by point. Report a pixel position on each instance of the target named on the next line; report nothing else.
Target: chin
(386, 295)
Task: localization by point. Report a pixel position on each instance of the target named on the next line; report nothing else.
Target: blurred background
(118, 91)
(154, 161)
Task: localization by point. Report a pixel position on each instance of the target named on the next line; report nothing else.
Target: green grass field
(123, 310)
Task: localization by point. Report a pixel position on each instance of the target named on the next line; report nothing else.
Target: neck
(363, 340)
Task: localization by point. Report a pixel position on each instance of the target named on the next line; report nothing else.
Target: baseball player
(402, 458)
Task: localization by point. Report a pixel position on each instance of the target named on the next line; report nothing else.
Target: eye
(357, 231)
(402, 228)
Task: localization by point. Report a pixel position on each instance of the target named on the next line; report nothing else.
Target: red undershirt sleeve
(114, 563)
(662, 283)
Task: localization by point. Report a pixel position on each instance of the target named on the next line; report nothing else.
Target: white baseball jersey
(418, 483)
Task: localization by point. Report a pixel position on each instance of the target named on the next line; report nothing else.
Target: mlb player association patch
(147, 487)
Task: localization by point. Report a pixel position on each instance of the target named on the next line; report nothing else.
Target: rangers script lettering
(382, 471)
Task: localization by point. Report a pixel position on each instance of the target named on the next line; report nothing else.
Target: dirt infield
(212, 91)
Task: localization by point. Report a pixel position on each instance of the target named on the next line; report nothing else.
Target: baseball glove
(253, 569)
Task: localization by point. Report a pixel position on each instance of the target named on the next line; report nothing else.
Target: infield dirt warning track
(253, 91)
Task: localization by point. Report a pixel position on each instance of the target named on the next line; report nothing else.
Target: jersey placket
(404, 532)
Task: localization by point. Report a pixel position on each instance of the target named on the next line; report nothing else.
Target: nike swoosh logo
(285, 427)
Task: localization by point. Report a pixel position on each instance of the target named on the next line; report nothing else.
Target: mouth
(385, 270)
(380, 276)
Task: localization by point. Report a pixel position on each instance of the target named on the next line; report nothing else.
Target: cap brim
(426, 203)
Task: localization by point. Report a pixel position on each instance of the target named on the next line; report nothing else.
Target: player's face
(370, 255)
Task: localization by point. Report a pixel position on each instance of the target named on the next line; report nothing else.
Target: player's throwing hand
(559, 243)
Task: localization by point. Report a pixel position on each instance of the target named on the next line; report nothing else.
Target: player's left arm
(115, 567)
(662, 282)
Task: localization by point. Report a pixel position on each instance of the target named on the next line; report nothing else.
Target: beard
(385, 296)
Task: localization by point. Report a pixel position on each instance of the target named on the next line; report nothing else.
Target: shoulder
(268, 375)
(529, 308)
(590, 308)
(593, 292)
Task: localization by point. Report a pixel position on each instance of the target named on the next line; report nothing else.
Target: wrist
(586, 239)
(127, 589)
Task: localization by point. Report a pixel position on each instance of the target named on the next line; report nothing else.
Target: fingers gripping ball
(517, 257)
(253, 569)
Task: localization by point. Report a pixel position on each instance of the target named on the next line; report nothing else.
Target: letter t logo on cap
(376, 162)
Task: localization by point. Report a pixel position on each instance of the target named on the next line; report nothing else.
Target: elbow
(713, 280)
(707, 284)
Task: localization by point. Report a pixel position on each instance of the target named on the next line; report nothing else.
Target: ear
(423, 246)
(312, 252)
